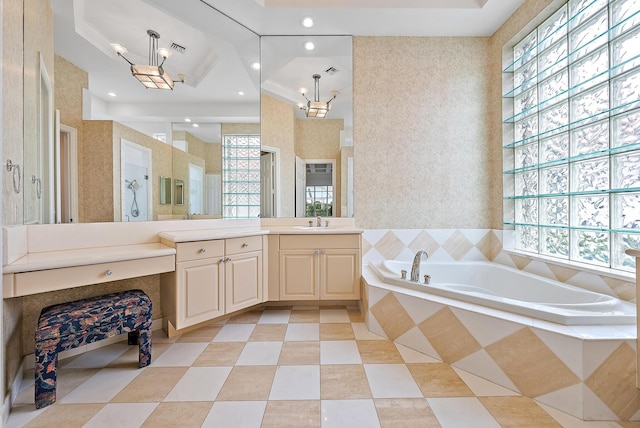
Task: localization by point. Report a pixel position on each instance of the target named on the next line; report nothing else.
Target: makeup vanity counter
(56, 270)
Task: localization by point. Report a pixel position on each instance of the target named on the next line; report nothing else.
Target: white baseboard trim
(28, 361)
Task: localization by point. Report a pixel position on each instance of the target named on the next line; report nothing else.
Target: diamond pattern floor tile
(321, 368)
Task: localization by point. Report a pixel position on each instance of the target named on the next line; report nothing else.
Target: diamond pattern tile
(621, 396)
(457, 245)
(390, 246)
(373, 382)
(424, 241)
(523, 356)
(392, 317)
(449, 336)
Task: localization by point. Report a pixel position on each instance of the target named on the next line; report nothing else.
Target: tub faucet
(319, 221)
(415, 267)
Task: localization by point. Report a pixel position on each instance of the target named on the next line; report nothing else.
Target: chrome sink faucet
(319, 221)
(415, 267)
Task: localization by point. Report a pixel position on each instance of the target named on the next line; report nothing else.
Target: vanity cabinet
(212, 278)
(320, 267)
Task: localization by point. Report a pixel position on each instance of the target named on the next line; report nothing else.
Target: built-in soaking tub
(501, 287)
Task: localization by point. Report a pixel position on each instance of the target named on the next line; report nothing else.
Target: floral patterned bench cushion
(74, 318)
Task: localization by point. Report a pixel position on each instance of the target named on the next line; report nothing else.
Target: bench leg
(144, 344)
(46, 367)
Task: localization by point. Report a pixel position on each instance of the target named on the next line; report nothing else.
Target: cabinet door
(200, 294)
(299, 275)
(243, 281)
(340, 277)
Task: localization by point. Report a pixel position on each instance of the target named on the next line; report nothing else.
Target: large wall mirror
(116, 138)
(312, 156)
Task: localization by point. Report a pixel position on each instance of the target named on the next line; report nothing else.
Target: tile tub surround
(219, 375)
(588, 372)
(450, 245)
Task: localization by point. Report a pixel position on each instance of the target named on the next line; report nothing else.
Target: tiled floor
(294, 367)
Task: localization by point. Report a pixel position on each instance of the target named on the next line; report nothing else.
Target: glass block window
(319, 201)
(241, 176)
(572, 158)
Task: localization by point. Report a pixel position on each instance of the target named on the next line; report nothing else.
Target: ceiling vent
(331, 71)
(177, 47)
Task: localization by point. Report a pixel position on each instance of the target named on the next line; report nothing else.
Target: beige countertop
(86, 256)
(208, 234)
(107, 254)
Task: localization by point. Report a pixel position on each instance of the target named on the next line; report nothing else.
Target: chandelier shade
(316, 108)
(153, 75)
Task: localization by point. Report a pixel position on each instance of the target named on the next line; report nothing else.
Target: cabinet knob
(245, 245)
(228, 259)
(202, 250)
(108, 272)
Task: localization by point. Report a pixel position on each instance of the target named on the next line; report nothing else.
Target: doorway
(269, 183)
(135, 184)
(67, 154)
(315, 187)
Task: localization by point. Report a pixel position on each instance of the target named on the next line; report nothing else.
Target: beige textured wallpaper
(180, 171)
(70, 82)
(277, 123)
(421, 138)
(102, 191)
(12, 112)
(38, 54)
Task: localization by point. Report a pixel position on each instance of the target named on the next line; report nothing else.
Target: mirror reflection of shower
(135, 189)
(133, 186)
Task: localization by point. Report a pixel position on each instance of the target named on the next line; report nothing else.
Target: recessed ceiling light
(186, 119)
(240, 93)
(255, 65)
(195, 125)
(307, 22)
(112, 94)
(309, 46)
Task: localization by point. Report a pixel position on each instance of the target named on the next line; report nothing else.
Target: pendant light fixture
(316, 108)
(153, 75)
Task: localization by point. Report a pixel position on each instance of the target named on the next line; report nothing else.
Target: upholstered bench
(69, 325)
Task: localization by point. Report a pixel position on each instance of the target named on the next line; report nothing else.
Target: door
(340, 277)
(200, 291)
(267, 185)
(196, 189)
(301, 184)
(68, 172)
(299, 274)
(243, 281)
(213, 194)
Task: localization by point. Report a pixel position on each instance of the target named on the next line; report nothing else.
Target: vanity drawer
(199, 250)
(244, 245)
(41, 281)
(312, 242)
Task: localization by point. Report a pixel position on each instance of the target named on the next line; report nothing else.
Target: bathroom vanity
(208, 269)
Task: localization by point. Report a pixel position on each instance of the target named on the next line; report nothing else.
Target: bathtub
(501, 287)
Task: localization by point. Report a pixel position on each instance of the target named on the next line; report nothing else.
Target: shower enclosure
(135, 182)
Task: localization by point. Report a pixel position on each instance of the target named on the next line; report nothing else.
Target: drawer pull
(202, 250)
(108, 272)
(245, 245)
